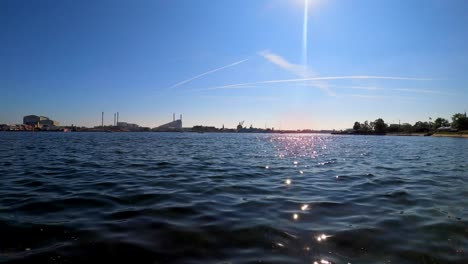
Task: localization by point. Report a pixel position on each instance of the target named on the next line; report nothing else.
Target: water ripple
(232, 198)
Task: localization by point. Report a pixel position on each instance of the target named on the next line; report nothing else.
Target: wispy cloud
(236, 87)
(276, 59)
(418, 91)
(380, 97)
(374, 88)
(349, 77)
(208, 72)
(310, 78)
(368, 88)
(240, 98)
(296, 69)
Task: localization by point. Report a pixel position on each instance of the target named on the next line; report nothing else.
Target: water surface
(232, 198)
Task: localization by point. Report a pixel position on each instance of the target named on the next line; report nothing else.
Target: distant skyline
(270, 63)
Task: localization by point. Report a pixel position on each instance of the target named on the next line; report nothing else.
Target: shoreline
(456, 135)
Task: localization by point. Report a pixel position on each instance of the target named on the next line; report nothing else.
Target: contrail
(417, 91)
(304, 33)
(318, 79)
(208, 72)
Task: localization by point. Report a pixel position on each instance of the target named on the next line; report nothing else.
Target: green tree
(460, 121)
(405, 127)
(393, 128)
(379, 125)
(357, 126)
(440, 122)
(366, 126)
(420, 127)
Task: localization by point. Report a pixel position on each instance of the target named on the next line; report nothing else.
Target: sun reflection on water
(322, 237)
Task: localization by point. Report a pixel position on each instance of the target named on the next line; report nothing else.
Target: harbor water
(232, 198)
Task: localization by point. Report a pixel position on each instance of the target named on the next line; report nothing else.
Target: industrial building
(32, 120)
(127, 125)
(42, 122)
(175, 125)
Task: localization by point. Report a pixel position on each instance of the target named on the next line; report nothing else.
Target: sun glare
(311, 4)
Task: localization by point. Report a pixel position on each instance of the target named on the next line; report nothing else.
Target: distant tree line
(459, 122)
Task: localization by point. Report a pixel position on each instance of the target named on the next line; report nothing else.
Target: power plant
(175, 125)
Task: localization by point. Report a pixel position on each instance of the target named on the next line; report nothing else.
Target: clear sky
(222, 61)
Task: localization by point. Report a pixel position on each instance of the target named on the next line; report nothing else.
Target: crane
(240, 125)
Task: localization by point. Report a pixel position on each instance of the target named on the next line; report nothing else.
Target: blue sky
(70, 60)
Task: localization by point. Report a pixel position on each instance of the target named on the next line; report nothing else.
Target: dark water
(225, 198)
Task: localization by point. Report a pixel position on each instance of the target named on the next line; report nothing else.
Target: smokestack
(117, 118)
(102, 119)
(173, 116)
(181, 118)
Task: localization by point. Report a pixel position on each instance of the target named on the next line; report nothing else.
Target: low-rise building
(48, 123)
(32, 120)
(42, 122)
(127, 125)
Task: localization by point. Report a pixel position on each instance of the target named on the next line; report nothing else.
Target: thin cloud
(241, 98)
(310, 85)
(374, 88)
(417, 91)
(350, 77)
(368, 88)
(276, 59)
(377, 97)
(299, 70)
(237, 87)
(208, 72)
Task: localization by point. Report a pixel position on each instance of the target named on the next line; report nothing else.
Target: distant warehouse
(42, 122)
(32, 120)
(127, 125)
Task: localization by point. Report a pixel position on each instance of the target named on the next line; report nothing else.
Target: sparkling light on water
(322, 237)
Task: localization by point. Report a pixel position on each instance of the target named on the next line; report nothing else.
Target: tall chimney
(180, 117)
(117, 118)
(173, 116)
(102, 119)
